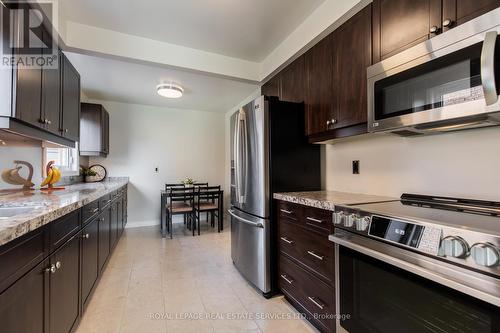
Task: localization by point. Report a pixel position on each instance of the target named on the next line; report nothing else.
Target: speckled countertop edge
(54, 205)
(329, 199)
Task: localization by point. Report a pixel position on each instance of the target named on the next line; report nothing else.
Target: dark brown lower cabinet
(104, 237)
(115, 223)
(64, 287)
(23, 306)
(47, 276)
(306, 262)
(90, 264)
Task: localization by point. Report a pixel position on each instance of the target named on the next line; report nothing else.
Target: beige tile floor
(187, 284)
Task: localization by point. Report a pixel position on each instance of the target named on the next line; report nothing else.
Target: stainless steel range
(420, 264)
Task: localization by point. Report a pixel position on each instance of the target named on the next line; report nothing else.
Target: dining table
(163, 211)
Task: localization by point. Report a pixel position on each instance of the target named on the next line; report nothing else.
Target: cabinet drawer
(318, 219)
(290, 211)
(63, 228)
(311, 249)
(20, 255)
(313, 295)
(90, 210)
(104, 201)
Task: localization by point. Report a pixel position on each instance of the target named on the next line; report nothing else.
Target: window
(66, 159)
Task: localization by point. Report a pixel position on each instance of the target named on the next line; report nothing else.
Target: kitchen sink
(7, 212)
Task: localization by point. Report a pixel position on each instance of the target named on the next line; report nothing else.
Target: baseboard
(140, 224)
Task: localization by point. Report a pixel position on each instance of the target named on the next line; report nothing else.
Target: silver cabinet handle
(314, 220)
(319, 305)
(284, 239)
(311, 253)
(488, 68)
(52, 269)
(258, 225)
(86, 236)
(66, 130)
(447, 23)
(286, 211)
(333, 121)
(95, 210)
(284, 277)
(433, 29)
(58, 265)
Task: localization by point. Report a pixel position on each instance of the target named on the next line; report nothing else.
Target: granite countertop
(48, 207)
(328, 199)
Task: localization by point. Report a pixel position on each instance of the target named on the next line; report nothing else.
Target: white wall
(181, 143)
(461, 164)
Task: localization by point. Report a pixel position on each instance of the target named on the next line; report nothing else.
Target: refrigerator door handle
(258, 225)
(237, 166)
(244, 130)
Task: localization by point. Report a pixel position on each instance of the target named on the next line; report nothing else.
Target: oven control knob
(485, 254)
(362, 223)
(338, 217)
(349, 220)
(454, 247)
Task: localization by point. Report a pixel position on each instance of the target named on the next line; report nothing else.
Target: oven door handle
(488, 68)
(478, 285)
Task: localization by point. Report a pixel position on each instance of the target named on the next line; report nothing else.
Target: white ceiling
(245, 29)
(119, 81)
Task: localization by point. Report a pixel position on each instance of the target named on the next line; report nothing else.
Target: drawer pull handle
(319, 305)
(94, 210)
(58, 265)
(52, 269)
(284, 277)
(315, 255)
(286, 240)
(86, 236)
(286, 211)
(314, 220)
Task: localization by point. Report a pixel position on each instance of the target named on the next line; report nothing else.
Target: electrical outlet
(156, 170)
(355, 167)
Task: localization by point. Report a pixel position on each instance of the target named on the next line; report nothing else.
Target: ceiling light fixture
(169, 90)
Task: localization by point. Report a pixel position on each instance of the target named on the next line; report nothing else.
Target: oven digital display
(396, 231)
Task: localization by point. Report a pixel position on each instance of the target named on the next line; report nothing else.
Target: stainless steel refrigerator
(270, 153)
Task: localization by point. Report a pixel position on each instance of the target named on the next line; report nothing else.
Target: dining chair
(181, 202)
(201, 185)
(208, 199)
(177, 186)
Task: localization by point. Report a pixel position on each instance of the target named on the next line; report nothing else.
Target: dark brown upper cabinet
(400, 24)
(352, 44)
(28, 97)
(320, 91)
(272, 87)
(70, 118)
(293, 81)
(51, 93)
(456, 12)
(94, 126)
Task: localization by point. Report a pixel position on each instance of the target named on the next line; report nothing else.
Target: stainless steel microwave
(447, 83)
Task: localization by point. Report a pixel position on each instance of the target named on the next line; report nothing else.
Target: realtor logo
(27, 32)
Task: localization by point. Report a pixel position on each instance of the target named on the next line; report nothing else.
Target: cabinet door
(104, 233)
(90, 264)
(29, 96)
(353, 54)
(456, 12)
(51, 92)
(105, 131)
(23, 306)
(272, 87)
(114, 223)
(400, 24)
(293, 81)
(320, 92)
(120, 215)
(64, 287)
(70, 125)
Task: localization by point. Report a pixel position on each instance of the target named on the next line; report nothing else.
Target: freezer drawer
(250, 246)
